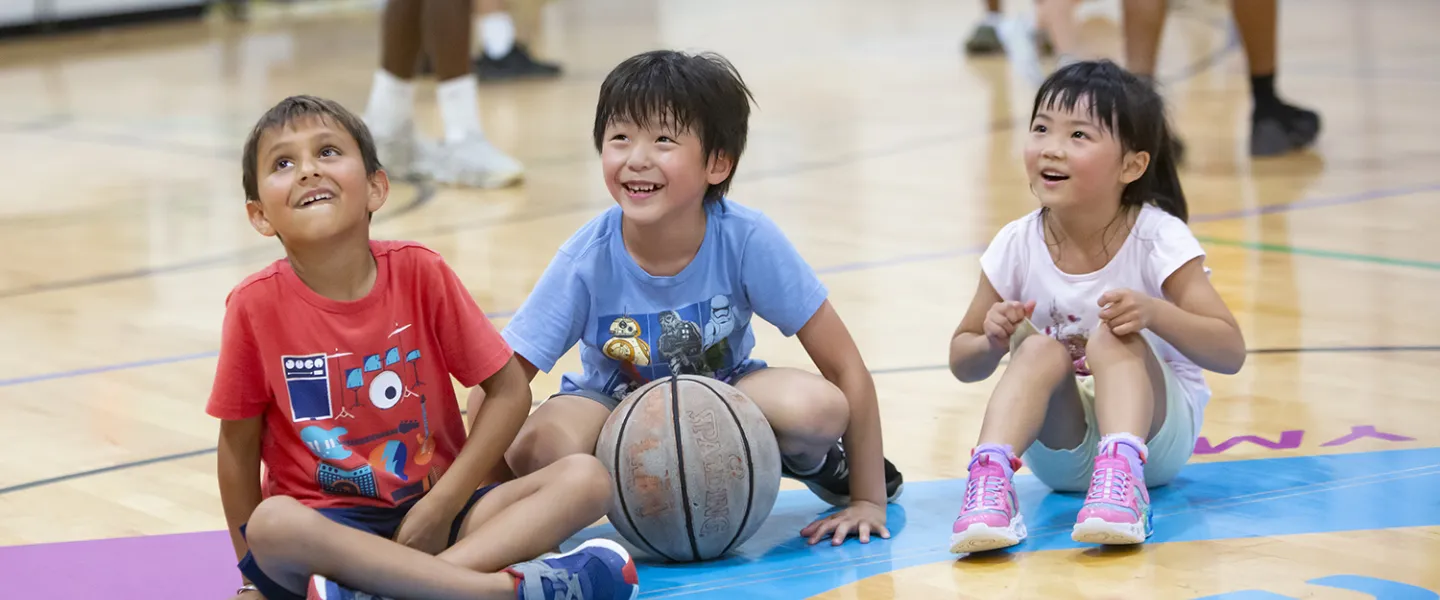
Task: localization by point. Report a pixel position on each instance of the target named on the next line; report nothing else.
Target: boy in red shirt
(335, 372)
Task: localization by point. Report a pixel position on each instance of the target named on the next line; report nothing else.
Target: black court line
(888, 371)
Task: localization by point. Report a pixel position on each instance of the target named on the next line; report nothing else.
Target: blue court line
(1208, 501)
(883, 371)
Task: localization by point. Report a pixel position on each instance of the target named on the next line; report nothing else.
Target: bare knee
(541, 443)
(810, 410)
(1043, 352)
(274, 524)
(1104, 348)
(586, 482)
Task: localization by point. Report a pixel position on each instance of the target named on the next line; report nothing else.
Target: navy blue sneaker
(597, 570)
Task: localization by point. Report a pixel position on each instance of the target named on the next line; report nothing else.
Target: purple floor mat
(187, 566)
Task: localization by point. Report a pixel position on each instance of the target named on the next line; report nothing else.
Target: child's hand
(1001, 321)
(860, 518)
(1126, 311)
(426, 527)
(249, 595)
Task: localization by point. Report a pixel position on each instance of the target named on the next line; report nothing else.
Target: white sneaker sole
(980, 537)
(1100, 531)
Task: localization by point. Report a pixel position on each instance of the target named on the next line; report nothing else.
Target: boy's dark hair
(294, 108)
(702, 93)
(1129, 108)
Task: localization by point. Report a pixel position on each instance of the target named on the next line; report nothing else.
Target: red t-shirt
(358, 403)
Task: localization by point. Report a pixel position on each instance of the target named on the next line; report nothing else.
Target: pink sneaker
(1117, 509)
(990, 518)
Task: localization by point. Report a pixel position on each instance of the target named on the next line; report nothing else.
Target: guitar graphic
(405, 427)
(427, 442)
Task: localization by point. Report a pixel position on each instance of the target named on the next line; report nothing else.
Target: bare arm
(832, 348)
(972, 356)
(494, 423)
(1196, 321)
(238, 468)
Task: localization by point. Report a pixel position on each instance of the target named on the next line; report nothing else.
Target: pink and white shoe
(1117, 509)
(990, 518)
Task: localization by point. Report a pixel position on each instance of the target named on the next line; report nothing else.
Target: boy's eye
(1038, 129)
(619, 137)
(282, 164)
(665, 139)
(1079, 134)
(330, 151)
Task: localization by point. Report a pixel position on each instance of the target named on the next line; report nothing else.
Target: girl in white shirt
(1103, 302)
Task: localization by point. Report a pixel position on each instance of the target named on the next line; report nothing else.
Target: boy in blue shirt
(667, 281)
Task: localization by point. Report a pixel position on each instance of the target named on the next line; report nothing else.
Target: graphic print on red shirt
(358, 403)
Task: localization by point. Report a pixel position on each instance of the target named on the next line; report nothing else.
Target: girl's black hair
(701, 93)
(1131, 109)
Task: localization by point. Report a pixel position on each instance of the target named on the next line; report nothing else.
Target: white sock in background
(459, 107)
(496, 31)
(392, 104)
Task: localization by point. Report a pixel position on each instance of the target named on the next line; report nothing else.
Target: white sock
(392, 104)
(497, 32)
(459, 107)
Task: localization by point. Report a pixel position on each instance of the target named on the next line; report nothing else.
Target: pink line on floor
(187, 566)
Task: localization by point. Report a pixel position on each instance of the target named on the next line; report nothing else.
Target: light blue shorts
(1069, 470)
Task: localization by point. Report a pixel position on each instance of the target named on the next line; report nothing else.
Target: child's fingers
(1123, 325)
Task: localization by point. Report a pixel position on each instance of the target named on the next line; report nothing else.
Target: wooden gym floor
(890, 160)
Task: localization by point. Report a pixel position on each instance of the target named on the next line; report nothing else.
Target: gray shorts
(610, 402)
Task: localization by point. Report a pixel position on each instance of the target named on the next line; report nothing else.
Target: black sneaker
(832, 482)
(1281, 130)
(518, 64)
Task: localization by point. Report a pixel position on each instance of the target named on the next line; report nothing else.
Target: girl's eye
(282, 164)
(665, 139)
(619, 137)
(1079, 134)
(1038, 129)
(330, 151)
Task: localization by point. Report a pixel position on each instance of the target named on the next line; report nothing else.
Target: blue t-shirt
(635, 327)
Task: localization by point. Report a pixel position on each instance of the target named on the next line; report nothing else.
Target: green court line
(1346, 256)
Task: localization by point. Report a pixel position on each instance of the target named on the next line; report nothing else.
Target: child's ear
(1134, 166)
(718, 168)
(379, 190)
(258, 219)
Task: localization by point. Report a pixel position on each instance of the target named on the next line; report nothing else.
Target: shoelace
(983, 492)
(1110, 485)
(563, 584)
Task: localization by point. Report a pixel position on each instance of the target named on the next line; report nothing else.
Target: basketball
(695, 465)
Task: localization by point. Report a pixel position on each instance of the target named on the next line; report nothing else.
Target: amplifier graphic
(307, 378)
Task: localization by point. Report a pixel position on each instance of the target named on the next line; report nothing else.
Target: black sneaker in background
(518, 64)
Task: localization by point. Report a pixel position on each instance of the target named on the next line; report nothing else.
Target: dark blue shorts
(379, 521)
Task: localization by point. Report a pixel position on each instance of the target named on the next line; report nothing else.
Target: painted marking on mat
(1291, 439)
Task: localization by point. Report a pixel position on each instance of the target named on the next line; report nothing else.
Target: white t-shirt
(1019, 266)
